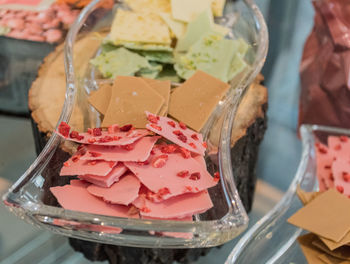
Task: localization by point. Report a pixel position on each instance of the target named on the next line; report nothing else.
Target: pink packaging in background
(325, 67)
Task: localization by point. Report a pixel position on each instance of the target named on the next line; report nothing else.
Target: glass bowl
(31, 200)
(272, 239)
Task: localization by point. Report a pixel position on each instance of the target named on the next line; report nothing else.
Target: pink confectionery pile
(333, 164)
(49, 25)
(128, 172)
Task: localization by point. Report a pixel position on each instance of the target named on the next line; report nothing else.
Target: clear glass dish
(272, 239)
(30, 199)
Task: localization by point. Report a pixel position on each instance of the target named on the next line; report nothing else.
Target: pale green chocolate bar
(214, 55)
(119, 61)
(168, 74)
(144, 46)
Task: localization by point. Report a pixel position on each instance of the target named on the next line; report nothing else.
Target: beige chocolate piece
(334, 245)
(328, 259)
(100, 98)
(311, 252)
(163, 88)
(327, 215)
(195, 100)
(340, 253)
(131, 97)
(306, 197)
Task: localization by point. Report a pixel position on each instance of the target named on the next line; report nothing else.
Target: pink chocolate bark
(79, 199)
(109, 139)
(324, 160)
(180, 135)
(177, 207)
(138, 151)
(166, 177)
(341, 172)
(109, 179)
(81, 167)
(79, 183)
(122, 192)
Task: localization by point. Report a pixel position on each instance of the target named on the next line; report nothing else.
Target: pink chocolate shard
(324, 159)
(137, 151)
(123, 192)
(339, 145)
(177, 207)
(76, 198)
(166, 181)
(119, 138)
(82, 167)
(341, 172)
(180, 135)
(173, 234)
(109, 179)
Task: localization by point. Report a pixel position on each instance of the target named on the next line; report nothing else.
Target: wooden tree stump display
(46, 98)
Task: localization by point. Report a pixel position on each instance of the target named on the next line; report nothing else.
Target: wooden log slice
(46, 100)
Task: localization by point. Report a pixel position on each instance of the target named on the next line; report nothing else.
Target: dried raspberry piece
(327, 167)
(177, 132)
(217, 176)
(321, 148)
(127, 147)
(346, 176)
(183, 138)
(146, 162)
(74, 134)
(152, 152)
(97, 131)
(111, 164)
(196, 189)
(163, 191)
(185, 153)
(105, 139)
(89, 131)
(75, 158)
(126, 128)
(343, 138)
(168, 148)
(160, 161)
(93, 162)
(204, 144)
(171, 123)
(66, 164)
(80, 137)
(182, 125)
(195, 176)
(153, 119)
(195, 136)
(63, 129)
(95, 154)
(340, 188)
(192, 145)
(116, 138)
(331, 177)
(183, 173)
(91, 140)
(188, 188)
(145, 209)
(337, 147)
(156, 127)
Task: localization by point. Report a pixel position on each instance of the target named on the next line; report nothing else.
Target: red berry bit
(321, 148)
(161, 192)
(183, 174)
(346, 176)
(142, 163)
(63, 129)
(204, 144)
(327, 167)
(74, 134)
(145, 209)
(97, 132)
(156, 127)
(340, 188)
(195, 176)
(177, 132)
(126, 128)
(195, 137)
(160, 161)
(95, 154)
(93, 162)
(185, 153)
(91, 140)
(183, 138)
(105, 139)
(331, 177)
(192, 145)
(153, 119)
(171, 123)
(188, 188)
(116, 138)
(168, 149)
(128, 147)
(89, 131)
(343, 138)
(182, 125)
(75, 158)
(337, 147)
(66, 164)
(111, 164)
(216, 176)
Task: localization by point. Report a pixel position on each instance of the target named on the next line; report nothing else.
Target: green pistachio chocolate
(151, 71)
(158, 56)
(119, 61)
